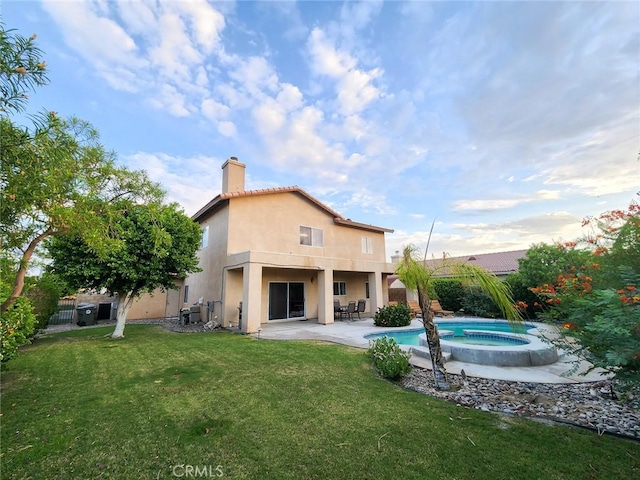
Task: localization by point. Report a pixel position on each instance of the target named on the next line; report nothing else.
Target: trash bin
(184, 316)
(194, 316)
(87, 313)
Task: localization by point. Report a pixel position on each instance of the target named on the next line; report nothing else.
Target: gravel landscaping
(587, 405)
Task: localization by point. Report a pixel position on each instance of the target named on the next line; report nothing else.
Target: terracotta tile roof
(337, 218)
(500, 263)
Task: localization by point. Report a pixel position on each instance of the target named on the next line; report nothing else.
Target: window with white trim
(310, 236)
(367, 245)
(186, 293)
(339, 289)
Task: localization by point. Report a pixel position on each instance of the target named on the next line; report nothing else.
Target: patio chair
(362, 304)
(351, 309)
(415, 308)
(436, 308)
(338, 310)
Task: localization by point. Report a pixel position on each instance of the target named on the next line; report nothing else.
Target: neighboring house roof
(223, 199)
(500, 263)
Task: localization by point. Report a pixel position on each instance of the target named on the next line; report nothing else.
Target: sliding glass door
(286, 300)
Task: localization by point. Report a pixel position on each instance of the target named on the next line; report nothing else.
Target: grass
(80, 405)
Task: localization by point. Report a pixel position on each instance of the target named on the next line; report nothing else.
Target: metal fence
(64, 312)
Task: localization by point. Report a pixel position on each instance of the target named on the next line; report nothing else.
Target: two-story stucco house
(280, 254)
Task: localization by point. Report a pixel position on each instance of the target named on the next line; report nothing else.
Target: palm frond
(498, 290)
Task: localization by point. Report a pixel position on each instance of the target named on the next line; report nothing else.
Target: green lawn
(80, 405)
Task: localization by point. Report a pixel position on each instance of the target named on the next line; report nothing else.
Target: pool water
(410, 337)
(459, 327)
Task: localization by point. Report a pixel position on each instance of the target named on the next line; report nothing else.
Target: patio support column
(325, 296)
(251, 297)
(376, 299)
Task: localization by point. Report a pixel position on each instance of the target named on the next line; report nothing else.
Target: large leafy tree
(544, 262)
(419, 275)
(154, 245)
(55, 176)
(60, 180)
(597, 302)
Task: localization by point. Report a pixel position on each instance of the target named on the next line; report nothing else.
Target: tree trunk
(121, 316)
(22, 271)
(433, 341)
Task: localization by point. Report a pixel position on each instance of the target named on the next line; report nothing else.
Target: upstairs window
(310, 236)
(367, 245)
(205, 237)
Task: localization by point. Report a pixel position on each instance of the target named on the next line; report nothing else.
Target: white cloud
(181, 176)
(325, 58)
(355, 90)
(503, 203)
(145, 47)
(214, 110)
(358, 15)
(462, 238)
(101, 41)
(354, 87)
(168, 98)
(174, 55)
(206, 21)
(605, 163)
(255, 75)
(290, 98)
(228, 129)
(368, 202)
(137, 16)
(269, 118)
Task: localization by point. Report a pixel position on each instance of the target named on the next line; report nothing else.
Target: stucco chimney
(233, 176)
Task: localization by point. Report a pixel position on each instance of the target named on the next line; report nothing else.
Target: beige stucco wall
(255, 240)
(159, 304)
(207, 284)
(271, 223)
(152, 305)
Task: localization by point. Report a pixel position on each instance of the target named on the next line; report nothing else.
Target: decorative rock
(584, 404)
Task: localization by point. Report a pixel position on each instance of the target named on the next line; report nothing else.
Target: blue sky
(505, 122)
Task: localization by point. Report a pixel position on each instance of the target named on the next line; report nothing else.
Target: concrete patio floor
(352, 334)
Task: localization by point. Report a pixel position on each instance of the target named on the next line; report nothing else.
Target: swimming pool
(485, 342)
(412, 337)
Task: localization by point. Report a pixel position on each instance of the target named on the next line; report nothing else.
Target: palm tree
(417, 275)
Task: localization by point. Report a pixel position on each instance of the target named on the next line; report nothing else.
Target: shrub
(393, 316)
(450, 293)
(522, 293)
(17, 324)
(389, 359)
(43, 293)
(476, 302)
